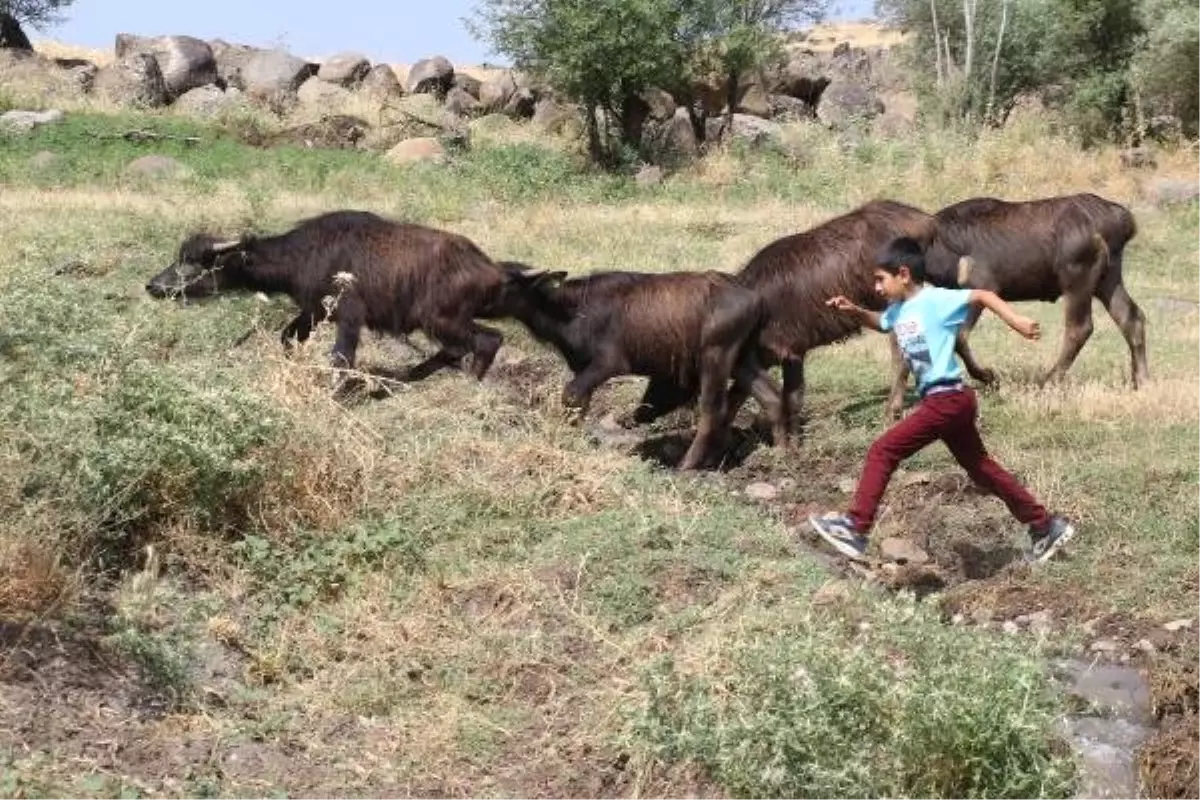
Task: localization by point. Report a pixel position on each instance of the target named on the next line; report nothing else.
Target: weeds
(895, 714)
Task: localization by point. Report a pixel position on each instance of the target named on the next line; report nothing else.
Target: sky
(397, 31)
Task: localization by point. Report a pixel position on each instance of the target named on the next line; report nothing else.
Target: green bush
(910, 708)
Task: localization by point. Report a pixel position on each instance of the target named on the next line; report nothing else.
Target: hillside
(216, 578)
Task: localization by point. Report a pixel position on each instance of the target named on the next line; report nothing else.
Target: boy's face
(892, 287)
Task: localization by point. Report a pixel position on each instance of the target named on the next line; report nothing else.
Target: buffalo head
(526, 290)
(199, 268)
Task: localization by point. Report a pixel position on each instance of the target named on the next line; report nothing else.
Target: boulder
(671, 143)
(468, 83)
(522, 104)
(134, 80)
(185, 62)
(753, 131)
(495, 93)
(319, 94)
(331, 132)
(231, 60)
(754, 101)
(1172, 191)
(459, 102)
(430, 76)
(786, 108)
(845, 103)
(268, 74)
(381, 83)
(411, 151)
(552, 116)
(344, 69)
(208, 101)
(25, 121)
(660, 103)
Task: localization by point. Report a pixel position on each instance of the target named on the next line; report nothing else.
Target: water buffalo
(389, 276)
(690, 333)
(1069, 247)
(796, 274)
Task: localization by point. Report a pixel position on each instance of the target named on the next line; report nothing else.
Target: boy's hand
(1029, 328)
(841, 303)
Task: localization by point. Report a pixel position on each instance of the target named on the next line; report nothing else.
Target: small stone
(914, 478)
(25, 121)
(156, 166)
(893, 548)
(830, 593)
(1104, 646)
(418, 149)
(847, 485)
(1177, 625)
(1089, 627)
(761, 491)
(957, 620)
(1010, 627)
(1145, 645)
(981, 616)
(649, 176)
(787, 484)
(43, 159)
(1040, 622)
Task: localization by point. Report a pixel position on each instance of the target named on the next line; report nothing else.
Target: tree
(977, 58)
(601, 53)
(1167, 62)
(34, 12)
(739, 37)
(972, 61)
(605, 54)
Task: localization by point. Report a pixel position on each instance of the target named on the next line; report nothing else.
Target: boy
(926, 320)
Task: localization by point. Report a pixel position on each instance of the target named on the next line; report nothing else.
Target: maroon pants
(949, 416)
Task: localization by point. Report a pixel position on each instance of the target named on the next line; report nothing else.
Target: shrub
(910, 708)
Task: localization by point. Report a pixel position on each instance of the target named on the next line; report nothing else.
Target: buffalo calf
(690, 333)
(388, 276)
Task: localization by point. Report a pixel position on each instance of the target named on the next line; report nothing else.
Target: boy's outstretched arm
(866, 317)
(1029, 328)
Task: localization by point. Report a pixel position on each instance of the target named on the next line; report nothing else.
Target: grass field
(216, 580)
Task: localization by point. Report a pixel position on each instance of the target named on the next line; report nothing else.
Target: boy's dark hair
(903, 252)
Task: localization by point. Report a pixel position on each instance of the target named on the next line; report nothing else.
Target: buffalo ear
(549, 280)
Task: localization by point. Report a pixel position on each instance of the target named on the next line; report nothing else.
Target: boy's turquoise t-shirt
(926, 326)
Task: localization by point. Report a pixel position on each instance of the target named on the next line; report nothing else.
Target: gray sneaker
(838, 530)
(1046, 542)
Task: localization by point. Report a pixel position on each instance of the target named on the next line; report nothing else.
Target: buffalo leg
(979, 373)
(662, 396)
(299, 329)
(345, 350)
(900, 371)
(1129, 319)
(716, 365)
(485, 343)
(459, 337)
(577, 394)
(793, 389)
(445, 357)
(751, 379)
(1078, 315)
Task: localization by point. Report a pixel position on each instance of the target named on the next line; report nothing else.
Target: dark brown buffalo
(795, 275)
(389, 276)
(689, 332)
(1069, 247)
